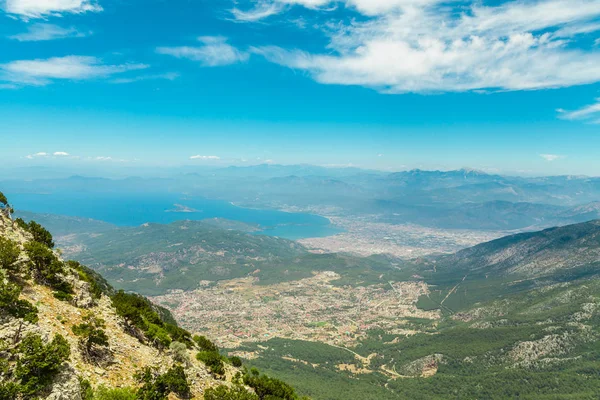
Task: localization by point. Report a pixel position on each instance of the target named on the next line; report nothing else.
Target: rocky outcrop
(422, 367)
(66, 385)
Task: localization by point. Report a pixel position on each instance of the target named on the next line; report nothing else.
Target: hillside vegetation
(66, 334)
(520, 319)
(153, 259)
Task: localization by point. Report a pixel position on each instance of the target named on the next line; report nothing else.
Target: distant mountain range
(464, 199)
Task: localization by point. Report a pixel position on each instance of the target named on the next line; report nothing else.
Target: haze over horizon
(128, 170)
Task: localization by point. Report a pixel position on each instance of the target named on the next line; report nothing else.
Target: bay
(136, 209)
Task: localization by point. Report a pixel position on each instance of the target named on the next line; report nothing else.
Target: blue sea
(137, 209)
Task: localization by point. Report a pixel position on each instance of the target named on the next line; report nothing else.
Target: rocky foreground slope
(65, 334)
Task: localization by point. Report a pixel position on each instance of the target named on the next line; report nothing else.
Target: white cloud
(42, 32)
(63, 155)
(215, 51)
(551, 157)
(199, 157)
(588, 113)
(36, 155)
(426, 46)
(44, 8)
(42, 72)
(43, 154)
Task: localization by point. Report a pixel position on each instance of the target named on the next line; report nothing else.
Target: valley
(363, 237)
(239, 311)
(439, 300)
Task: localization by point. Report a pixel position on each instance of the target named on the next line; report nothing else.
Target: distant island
(180, 208)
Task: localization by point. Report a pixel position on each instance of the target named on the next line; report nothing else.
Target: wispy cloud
(27, 9)
(260, 11)
(590, 113)
(43, 72)
(43, 32)
(551, 157)
(366, 7)
(436, 46)
(109, 158)
(63, 155)
(214, 51)
(169, 76)
(199, 157)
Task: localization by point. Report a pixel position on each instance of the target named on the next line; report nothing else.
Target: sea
(136, 209)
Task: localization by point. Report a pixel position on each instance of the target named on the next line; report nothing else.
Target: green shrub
(229, 393)
(41, 256)
(12, 305)
(98, 285)
(139, 312)
(176, 380)
(269, 388)
(87, 392)
(179, 352)
(104, 393)
(47, 268)
(91, 336)
(158, 335)
(62, 296)
(158, 387)
(39, 233)
(205, 344)
(213, 361)
(9, 391)
(177, 333)
(3, 199)
(38, 363)
(9, 253)
(235, 361)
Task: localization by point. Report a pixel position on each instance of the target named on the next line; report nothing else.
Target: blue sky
(503, 86)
